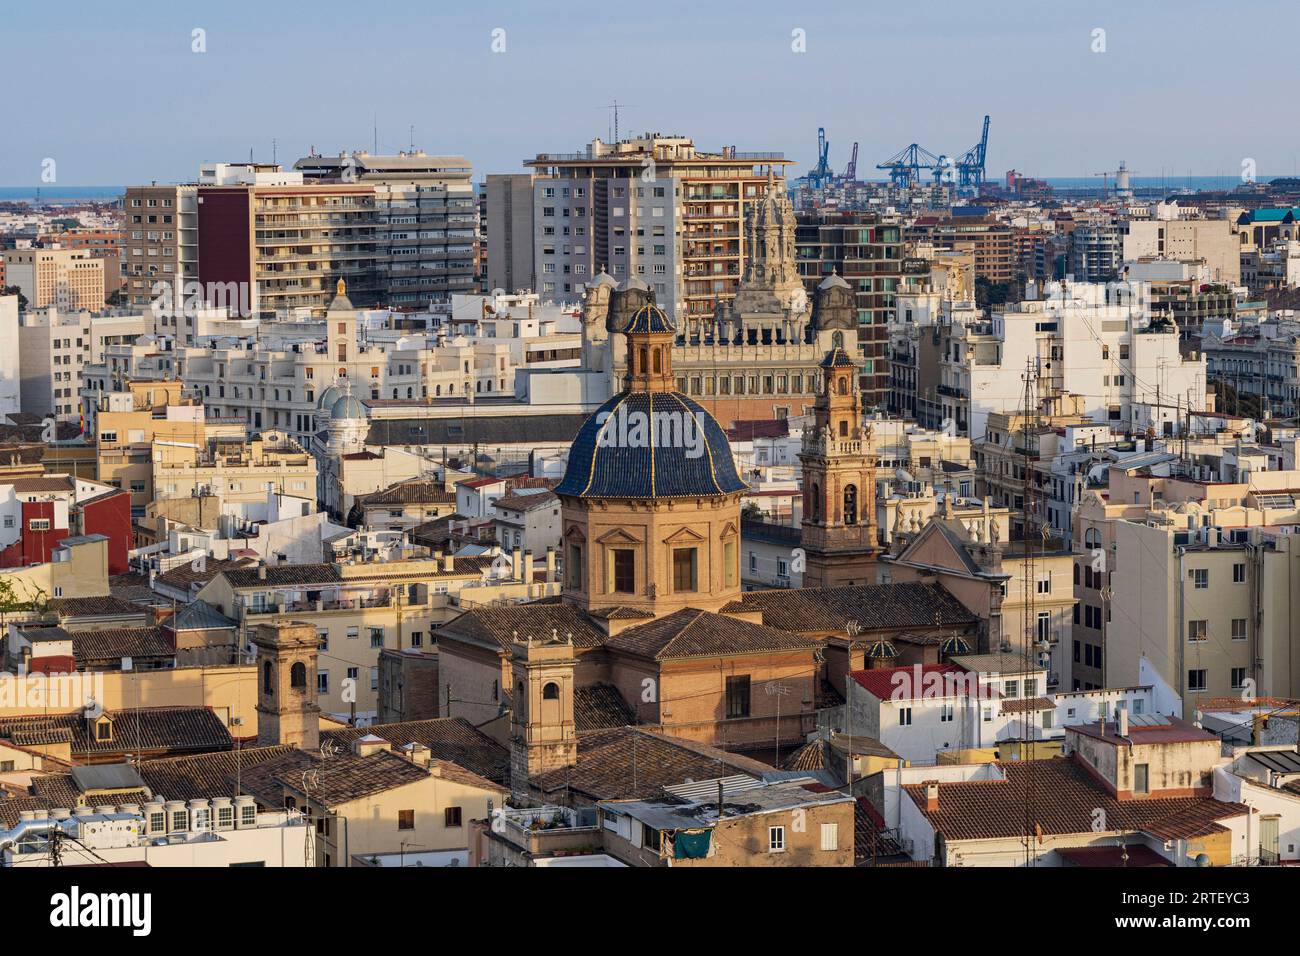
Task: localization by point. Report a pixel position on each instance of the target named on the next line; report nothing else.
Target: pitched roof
(174, 729)
(1063, 799)
(527, 502)
(873, 606)
(418, 491)
(113, 643)
(500, 625)
(183, 575)
(200, 616)
(623, 763)
(290, 575)
(102, 606)
(694, 633)
(901, 683)
(448, 738)
(599, 706)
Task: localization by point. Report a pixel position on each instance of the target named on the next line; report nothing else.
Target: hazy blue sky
(113, 93)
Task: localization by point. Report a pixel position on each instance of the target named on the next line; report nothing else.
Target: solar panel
(1148, 720)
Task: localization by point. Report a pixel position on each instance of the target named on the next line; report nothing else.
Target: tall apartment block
(653, 208)
(509, 232)
(992, 243)
(68, 279)
(160, 243)
(866, 251)
(1096, 251)
(54, 346)
(426, 222)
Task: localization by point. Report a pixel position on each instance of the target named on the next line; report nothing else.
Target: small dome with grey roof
(329, 397)
(348, 406)
(834, 280)
(632, 282)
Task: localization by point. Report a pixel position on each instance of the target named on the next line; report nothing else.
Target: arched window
(658, 362)
(851, 504)
(1076, 574)
(844, 385)
(642, 364)
(267, 683)
(837, 340)
(298, 676)
(551, 691)
(815, 505)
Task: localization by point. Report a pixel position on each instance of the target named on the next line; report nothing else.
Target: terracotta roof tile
(695, 633)
(873, 606)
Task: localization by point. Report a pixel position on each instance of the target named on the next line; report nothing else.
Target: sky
(116, 94)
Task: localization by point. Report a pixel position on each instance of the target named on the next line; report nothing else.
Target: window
(830, 836)
(776, 839)
(1141, 778)
(322, 682)
(1196, 680)
(1239, 574)
(574, 569)
(1238, 678)
(1011, 688)
(624, 562)
(551, 691)
(851, 505)
(905, 716)
(685, 569)
(267, 682)
(1238, 628)
(1201, 577)
(945, 713)
(729, 568)
(298, 675)
(1045, 585)
(406, 819)
(737, 697)
(451, 817)
(1198, 630)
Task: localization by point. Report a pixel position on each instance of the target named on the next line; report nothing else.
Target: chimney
(932, 797)
(550, 565)
(418, 754)
(1123, 721)
(448, 563)
(516, 565)
(369, 744)
(527, 569)
(261, 571)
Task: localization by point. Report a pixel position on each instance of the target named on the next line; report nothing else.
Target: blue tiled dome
(837, 358)
(624, 465)
(649, 318)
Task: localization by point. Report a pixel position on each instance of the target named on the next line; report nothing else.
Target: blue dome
(649, 318)
(650, 445)
(347, 407)
(329, 397)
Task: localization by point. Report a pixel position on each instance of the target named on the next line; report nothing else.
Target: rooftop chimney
(448, 563)
(1123, 721)
(932, 797)
(550, 565)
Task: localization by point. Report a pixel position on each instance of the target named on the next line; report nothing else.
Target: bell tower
(839, 482)
(287, 709)
(543, 730)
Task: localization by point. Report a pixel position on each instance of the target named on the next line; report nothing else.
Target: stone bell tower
(543, 731)
(839, 483)
(287, 708)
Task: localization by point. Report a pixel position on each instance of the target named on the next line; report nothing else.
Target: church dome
(329, 397)
(347, 406)
(650, 445)
(650, 318)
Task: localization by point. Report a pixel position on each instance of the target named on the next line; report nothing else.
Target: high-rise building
(866, 250)
(426, 234)
(509, 238)
(654, 209)
(160, 241)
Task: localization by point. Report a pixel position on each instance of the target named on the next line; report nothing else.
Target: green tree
(14, 290)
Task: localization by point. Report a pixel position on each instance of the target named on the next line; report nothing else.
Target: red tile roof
(902, 683)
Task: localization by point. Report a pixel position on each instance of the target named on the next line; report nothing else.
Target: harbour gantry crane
(905, 166)
(970, 165)
(821, 173)
(851, 170)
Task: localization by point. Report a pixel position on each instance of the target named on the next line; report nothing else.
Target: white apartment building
(55, 346)
(1087, 340)
(1211, 241)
